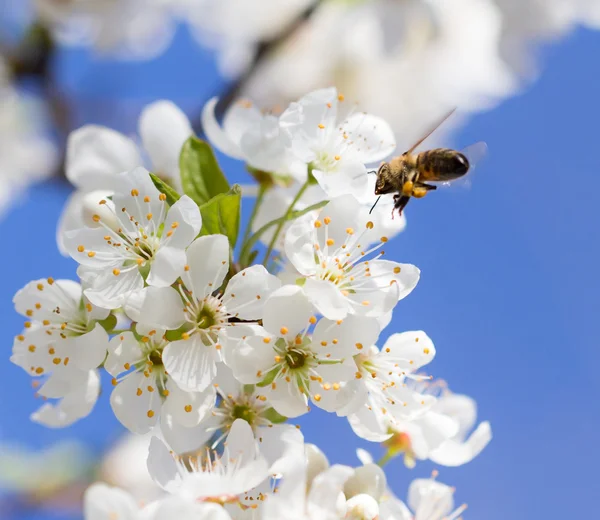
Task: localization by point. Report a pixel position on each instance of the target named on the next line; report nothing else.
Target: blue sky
(509, 287)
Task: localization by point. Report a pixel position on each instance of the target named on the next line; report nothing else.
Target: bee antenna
(372, 171)
(373, 207)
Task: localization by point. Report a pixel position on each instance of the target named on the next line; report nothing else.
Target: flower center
(295, 359)
(155, 357)
(243, 411)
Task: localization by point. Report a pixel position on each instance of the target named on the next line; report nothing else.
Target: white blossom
(331, 253)
(292, 366)
(141, 233)
(336, 142)
(96, 155)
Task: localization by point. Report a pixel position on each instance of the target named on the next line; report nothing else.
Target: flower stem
(285, 218)
(385, 459)
(262, 189)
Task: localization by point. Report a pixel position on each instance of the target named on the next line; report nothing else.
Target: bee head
(381, 186)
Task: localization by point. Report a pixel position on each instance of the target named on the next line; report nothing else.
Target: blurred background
(509, 288)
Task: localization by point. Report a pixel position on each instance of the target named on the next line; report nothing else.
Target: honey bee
(409, 175)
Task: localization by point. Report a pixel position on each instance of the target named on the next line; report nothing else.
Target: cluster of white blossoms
(210, 350)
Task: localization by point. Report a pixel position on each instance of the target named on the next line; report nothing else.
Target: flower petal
(167, 265)
(413, 349)
(216, 135)
(101, 502)
(247, 292)
(454, 453)
(182, 439)
(123, 349)
(109, 291)
(190, 363)
(95, 155)
(162, 467)
(345, 339)
(189, 408)
(208, 258)
(89, 350)
(185, 221)
(287, 399)
(287, 312)
(377, 138)
(164, 128)
(156, 307)
(327, 298)
(406, 275)
(299, 244)
(251, 360)
(136, 403)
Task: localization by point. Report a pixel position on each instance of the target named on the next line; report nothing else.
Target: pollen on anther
(96, 218)
(330, 241)
(370, 225)
(337, 157)
(91, 254)
(114, 381)
(397, 270)
(188, 408)
(327, 220)
(321, 126)
(185, 335)
(134, 193)
(162, 197)
(283, 330)
(384, 239)
(50, 282)
(150, 414)
(138, 392)
(186, 268)
(336, 386)
(149, 216)
(359, 346)
(323, 343)
(426, 351)
(312, 320)
(116, 272)
(318, 223)
(266, 340)
(317, 397)
(341, 97)
(146, 199)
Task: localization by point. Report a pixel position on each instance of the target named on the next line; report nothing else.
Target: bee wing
(475, 153)
(433, 129)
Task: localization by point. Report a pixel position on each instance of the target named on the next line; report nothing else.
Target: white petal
(288, 309)
(184, 440)
(167, 266)
(342, 213)
(162, 466)
(156, 307)
(415, 348)
(350, 179)
(461, 408)
(324, 492)
(252, 359)
(407, 277)
(282, 445)
(89, 350)
(70, 219)
(134, 404)
(377, 138)
(240, 445)
(453, 453)
(366, 424)
(190, 363)
(78, 403)
(185, 221)
(95, 155)
(186, 509)
(110, 291)
(247, 292)
(164, 128)
(132, 190)
(327, 298)
(300, 244)
(208, 258)
(88, 247)
(102, 502)
(426, 494)
(189, 408)
(215, 134)
(48, 296)
(123, 349)
(345, 339)
(286, 398)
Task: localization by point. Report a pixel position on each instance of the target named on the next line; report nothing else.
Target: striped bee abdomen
(441, 164)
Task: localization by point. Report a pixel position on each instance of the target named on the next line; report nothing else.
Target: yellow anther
(150, 389)
(46, 323)
(40, 287)
(341, 97)
(96, 218)
(317, 397)
(330, 241)
(323, 343)
(146, 199)
(139, 261)
(138, 392)
(384, 239)
(318, 223)
(334, 341)
(38, 306)
(337, 157)
(339, 322)
(91, 254)
(426, 351)
(116, 272)
(188, 408)
(114, 381)
(359, 346)
(134, 193)
(29, 313)
(50, 281)
(89, 307)
(326, 386)
(370, 225)
(397, 270)
(175, 225)
(283, 330)
(150, 414)
(266, 340)
(350, 231)
(321, 126)
(186, 268)
(162, 197)
(39, 370)
(31, 348)
(185, 335)
(336, 386)
(327, 220)
(127, 366)
(298, 340)
(149, 216)
(278, 359)
(365, 303)
(56, 360)
(312, 320)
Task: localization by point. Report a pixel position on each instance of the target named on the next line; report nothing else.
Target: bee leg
(400, 202)
(421, 189)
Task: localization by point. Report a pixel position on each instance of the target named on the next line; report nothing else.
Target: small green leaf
(269, 378)
(163, 187)
(201, 176)
(272, 415)
(221, 215)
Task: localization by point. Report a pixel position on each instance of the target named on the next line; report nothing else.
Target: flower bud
(362, 507)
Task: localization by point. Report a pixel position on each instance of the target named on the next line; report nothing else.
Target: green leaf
(221, 215)
(201, 176)
(109, 323)
(163, 187)
(273, 416)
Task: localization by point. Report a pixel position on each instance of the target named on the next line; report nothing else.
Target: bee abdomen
(441, 164)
